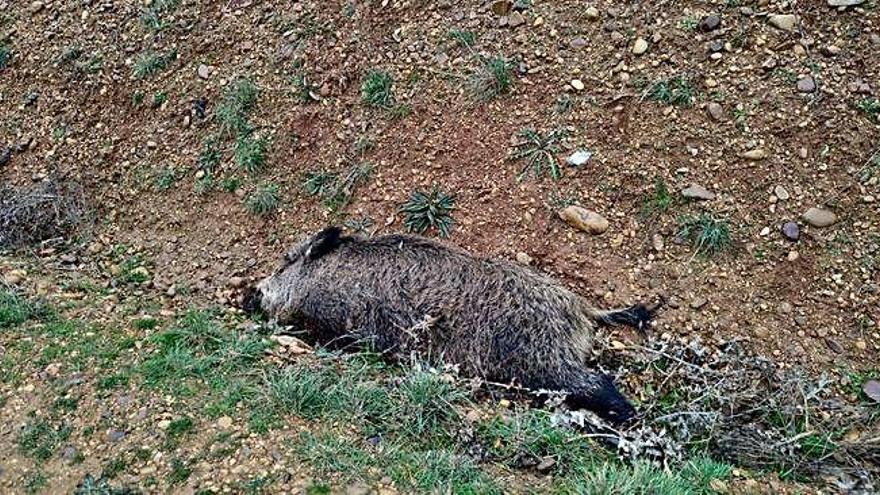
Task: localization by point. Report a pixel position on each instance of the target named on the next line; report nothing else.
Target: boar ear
(324, 242)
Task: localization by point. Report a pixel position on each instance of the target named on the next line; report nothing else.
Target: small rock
(204, 71)
(68, 258)
(657, 242)
(583, 219)
(577, 84)
(69, 453)
(523, 258)
(357, 488)
(845, 3)
(834, 345)
(695, 191)
(791, 231)
(578, 43)
(36, 7)
(501, 7)
(785, 22)
(755, 154)
(5, 155)
(698, 302)
(871, 388)
(546, 464)
(781, 193)
(817, 217)
(709, 23)
(861, 345)
(236, 282)
(224, 422)
(640, 46)
(592, 13)
(515, 19)
(164, 424)
(115, 435)
(579, 158)
(538, 22)
(761, 332)
(715, 110)
(806, 85)
(793, 256)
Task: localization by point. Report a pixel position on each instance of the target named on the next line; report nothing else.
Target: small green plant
(491, 79)
(465, 39)
(159, 99)
(264, 200)
(377, 89)
(564, 104)
(230, 184)
(113, 468)
(14, 309)
(359, 226)
(152, 17)
(210, 156)
(150, 64)
(166, 179)
(689, 23)
(35, 481)
(180, 472)
(238, 101)
(5, 55)
(675, 91)
(709, 234)
(39, 440)
(205, 184)
(336, 192)
(659, 201)
(250, 153)
(137, 98)
(870, 106)
(425, 211)
(303, 90)
(539, 152)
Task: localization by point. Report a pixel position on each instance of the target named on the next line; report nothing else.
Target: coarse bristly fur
(403, 294)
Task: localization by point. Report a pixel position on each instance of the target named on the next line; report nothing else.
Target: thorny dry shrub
(40, 212)
(743, 409)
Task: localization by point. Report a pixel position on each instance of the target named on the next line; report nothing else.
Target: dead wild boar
(404, 294)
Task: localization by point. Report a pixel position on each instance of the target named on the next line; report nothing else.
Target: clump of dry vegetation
(50, 210)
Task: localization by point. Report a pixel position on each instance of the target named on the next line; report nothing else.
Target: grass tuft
(675, 91)
(709, 234)
(264, 200)
(250, 153)
(5, 55)
(150, 64)
(539, 152)
(377, 89)
(337, 192)
(491, 79)
(871, 107)
(14, 309)
(39, 440)
(659, 201)
(464, 39)
(432, 210)
(238, 101)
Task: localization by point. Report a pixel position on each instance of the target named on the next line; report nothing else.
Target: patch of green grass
(230, 184)
(702, 470)
(539, 153)
(328, 453)
(209, 157)
(674, 91)
(180, 472)
(377, 89)
(114, 381)
(465, 39)
(613, 477)
(14, 309)
(250, 153)
(440, 471)
(159, 98)
(146, 323)
(564, 104)
(492, 78)
(659, 201)
(150, 64)
(39, 439)
(177, 429)
(689, 23)
(336, 192)
(238, 101)
(431, 210)
(137, 98)
(113, 468)
(166, 179)
(870, 106)
(302, 390)
(35, 481)
(65, 404)
(264, 201)
(710, 235)
(530, 436)
(153, 17)
(318, 489)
